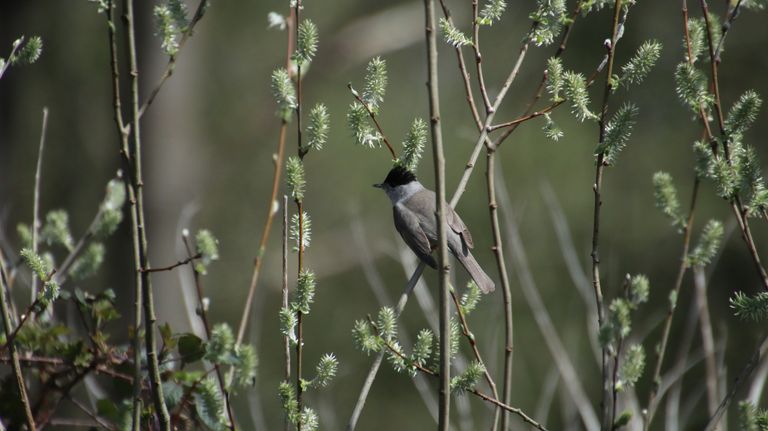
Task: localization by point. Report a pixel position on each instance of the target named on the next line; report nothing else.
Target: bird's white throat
(401, 193)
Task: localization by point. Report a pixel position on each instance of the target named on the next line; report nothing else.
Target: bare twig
(286, 339)
(189, 259)
(501, 265)
(36, 204)
(139, 230)
(444, 389)
(15, 365)
(597, 188)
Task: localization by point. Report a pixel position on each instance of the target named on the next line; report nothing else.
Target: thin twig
(36, 204)
(272, 198)
(481, 141)
(175, 265)
(444, 388)
(479, 59)
(16, 367)
(161, 409)
(169, 68)
(103, 423)
(501, 265)
(660, 352)
(375, 121)
(597, 188)
(286, 338)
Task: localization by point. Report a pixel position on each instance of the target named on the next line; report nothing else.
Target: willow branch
(661, 351)
(15, 365)
(372, 115)
(36, 204)
(272, 199)
(139, 231)
(597, 188)
(171, 65)
(444, 388)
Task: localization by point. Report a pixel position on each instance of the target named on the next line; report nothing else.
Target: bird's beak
(379, 186)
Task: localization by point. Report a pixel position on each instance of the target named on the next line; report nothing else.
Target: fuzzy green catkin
(375, 83)
(305, 291)
(632, 366)
(492, 12)
(29, 53)
(467, 380)
(452, 35)
(743, 113)
(665, 194)
(640, 65)
(306, 46)
(753, 308)
(575, 88)
(294, 174)
(549, 17)
(318, 128)
(617, 133)
(300, 231)
(56, 231)
(284, 94)
(555, 78)
(708, 245)
(413, 146)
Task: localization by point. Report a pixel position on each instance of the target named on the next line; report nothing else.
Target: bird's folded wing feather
(406, 221)
(458, 226)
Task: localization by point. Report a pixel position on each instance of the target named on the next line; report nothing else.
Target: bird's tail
(469, 263)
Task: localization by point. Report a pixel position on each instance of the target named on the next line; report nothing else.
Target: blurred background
(209, 141)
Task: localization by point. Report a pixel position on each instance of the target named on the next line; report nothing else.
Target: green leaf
(191, 348)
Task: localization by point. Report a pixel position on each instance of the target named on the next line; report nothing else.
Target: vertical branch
(140, 231)
(15, 365)
(498, 252)
(36, 204)
(124, 132)
(661, 351)
(444, 398)
(597, 188)
(479, 58)
(300, 210)
(286, 339)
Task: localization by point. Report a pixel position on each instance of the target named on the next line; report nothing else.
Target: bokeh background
(209, 141)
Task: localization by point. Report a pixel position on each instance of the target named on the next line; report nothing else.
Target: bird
(414, 211)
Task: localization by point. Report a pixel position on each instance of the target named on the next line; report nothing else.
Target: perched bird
(413, 207)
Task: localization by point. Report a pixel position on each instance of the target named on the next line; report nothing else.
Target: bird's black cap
(399, 176)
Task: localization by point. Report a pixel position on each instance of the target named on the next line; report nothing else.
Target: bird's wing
(407, 224)
(458, 226)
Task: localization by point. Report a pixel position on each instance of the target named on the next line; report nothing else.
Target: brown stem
(175, 265)
(479, 59)
(36, 202)
(597, 188)
(272, 199)
(444, 388)
(16, 367)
